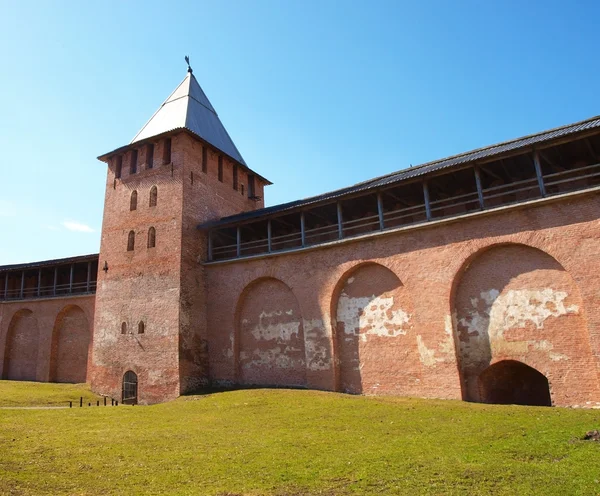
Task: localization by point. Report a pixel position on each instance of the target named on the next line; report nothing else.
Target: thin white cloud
(77, 226)
(7, 209)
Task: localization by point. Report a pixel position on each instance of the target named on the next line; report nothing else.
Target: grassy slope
(299, 442)
(13, 393)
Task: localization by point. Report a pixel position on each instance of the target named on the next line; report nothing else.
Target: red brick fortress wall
(142, 284)
(421, 311)
(162, 286)
(204, 198)
(46, 340)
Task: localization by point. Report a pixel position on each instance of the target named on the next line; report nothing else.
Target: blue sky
(316, 95)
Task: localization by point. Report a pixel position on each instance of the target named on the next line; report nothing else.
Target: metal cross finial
(187, 59)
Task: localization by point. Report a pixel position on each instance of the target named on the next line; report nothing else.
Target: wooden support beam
(6, 286)
(340, 221)
(210, 245)
(285, 223)
(88, 283)
(303, 229)
(506, 171)
(223, 233)
(439, 189)
(71, 271)
(22, 284)
(238, 241)
(426, 197)
(590, 148)
(39, 282)
(479, 188)
(489, 172)
(269, 236)
(398, 199)
(538, 173)
(311, 212)
(55, 281)
(380, 211)
(251, 229)
(551, 162)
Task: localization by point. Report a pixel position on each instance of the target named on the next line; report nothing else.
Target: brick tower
(181, 169)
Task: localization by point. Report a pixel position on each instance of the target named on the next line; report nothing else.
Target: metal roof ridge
(159, 109)
(211, 108)
(376, 181)
(55, 261)
(476, 150)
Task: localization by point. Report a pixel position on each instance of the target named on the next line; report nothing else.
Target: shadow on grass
(227, 389)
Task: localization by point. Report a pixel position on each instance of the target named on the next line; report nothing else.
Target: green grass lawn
(14, 393)
(282, 442)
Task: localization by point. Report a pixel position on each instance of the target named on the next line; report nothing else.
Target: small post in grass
(112, 402)
(80, 401)
(105, 401)
(98, 403)
(70, 404)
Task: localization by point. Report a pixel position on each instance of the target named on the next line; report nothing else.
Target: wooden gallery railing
(538, 186)
(56, 289)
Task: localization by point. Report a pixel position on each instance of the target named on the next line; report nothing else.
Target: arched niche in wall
(515, 302)
(70, 346)
(22, 344)
(509, 382)
(269, 343)
(372, 315)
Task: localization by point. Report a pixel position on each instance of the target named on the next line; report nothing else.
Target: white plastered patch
(281, 331)
(364, 316)
(514, 309)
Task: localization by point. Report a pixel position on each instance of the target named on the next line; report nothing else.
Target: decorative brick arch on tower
(515, 302)
(71, 338)
(269, 346)
(21, 349)
(372, 315)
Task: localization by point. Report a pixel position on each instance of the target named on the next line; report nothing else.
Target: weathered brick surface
(162, 286)
(518, 303)
(373, 320)
(46, 339)
(440, 310)
(204, 198)
(270, 336)
(401, 326)
(71, 341)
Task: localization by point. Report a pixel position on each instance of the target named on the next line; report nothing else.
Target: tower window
(235, 177)
(124, 328)
(242, 189)
(133, 201)
(141, 327)
(153, 196)
(118, 166)
(150, 156)
(204, 159)
(133, 163)
(221, 168)
(131, 241)
(151, 237)
(167, 151)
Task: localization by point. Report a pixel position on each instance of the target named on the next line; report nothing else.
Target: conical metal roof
(189, 108)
